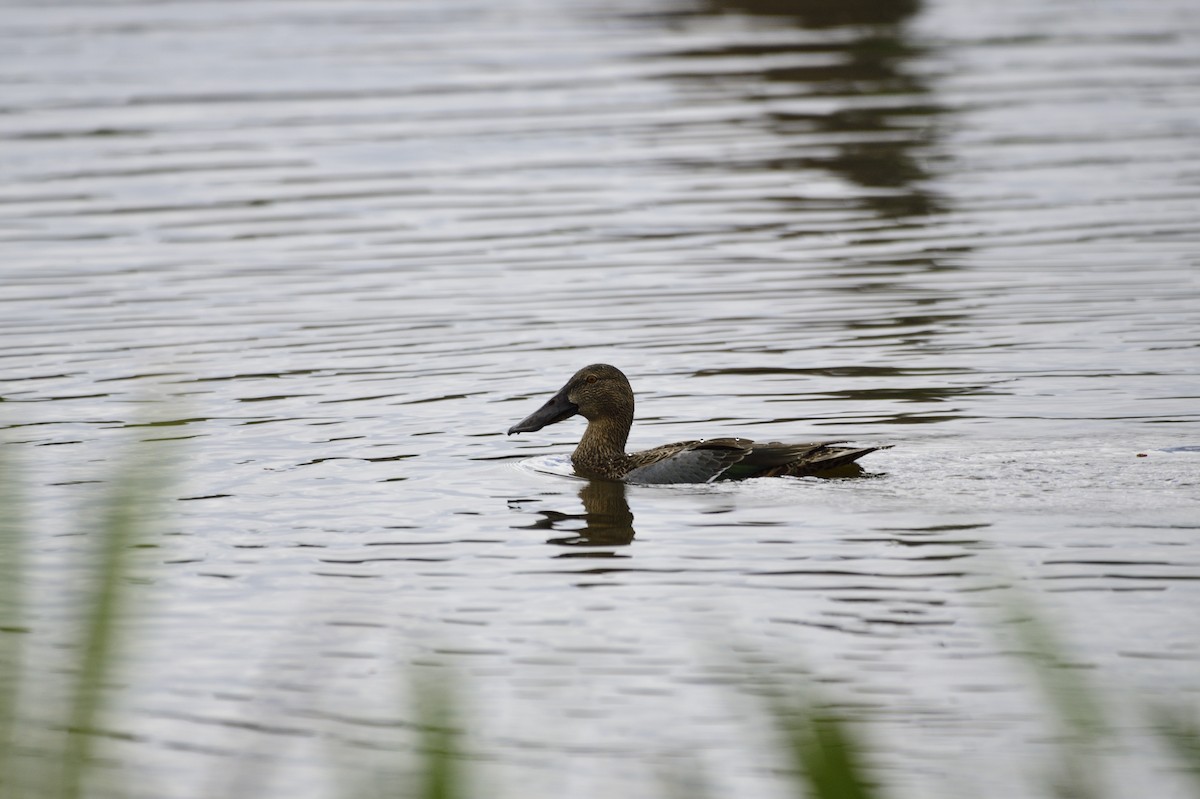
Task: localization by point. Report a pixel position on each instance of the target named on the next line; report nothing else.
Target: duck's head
(598, 391)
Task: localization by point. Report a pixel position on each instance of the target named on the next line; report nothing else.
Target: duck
(602, 394)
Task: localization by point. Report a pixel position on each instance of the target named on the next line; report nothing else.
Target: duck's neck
(601, 451)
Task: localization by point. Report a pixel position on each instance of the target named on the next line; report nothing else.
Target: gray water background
(332, 250)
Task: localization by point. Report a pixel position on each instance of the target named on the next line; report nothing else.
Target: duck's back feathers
(687, 461)
(735, 459)
(796, 460)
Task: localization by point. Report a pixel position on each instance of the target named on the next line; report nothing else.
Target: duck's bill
(556, 409)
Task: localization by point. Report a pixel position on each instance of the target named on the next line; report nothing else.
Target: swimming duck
(602, 395)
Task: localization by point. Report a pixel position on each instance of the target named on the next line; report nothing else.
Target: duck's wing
(688, 461)
(797, 460)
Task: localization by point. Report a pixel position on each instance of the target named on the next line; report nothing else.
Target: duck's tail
(775, 460)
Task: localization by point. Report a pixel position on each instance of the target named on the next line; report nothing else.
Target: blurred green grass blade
(1181, 734)
(1076, 704)
(823, 749)
(1071, 694)
(433, 766)
(12, 574)
(683, 780)
(827, 755)
(441, 764)
(121, 527)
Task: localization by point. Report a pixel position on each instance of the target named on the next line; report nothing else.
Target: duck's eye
(590, 379)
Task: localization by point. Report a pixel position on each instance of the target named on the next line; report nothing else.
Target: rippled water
(331, 251)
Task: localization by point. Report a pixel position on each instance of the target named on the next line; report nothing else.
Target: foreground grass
(56, 761)
(55, 756)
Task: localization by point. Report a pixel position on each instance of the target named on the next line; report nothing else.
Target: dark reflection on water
(880, 132)
(606, 520)
(826, 13)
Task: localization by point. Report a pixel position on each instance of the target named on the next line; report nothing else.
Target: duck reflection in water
(606, 520)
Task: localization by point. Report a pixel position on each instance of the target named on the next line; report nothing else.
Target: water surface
(321, 255)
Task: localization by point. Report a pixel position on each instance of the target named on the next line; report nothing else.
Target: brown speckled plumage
(602, 394)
